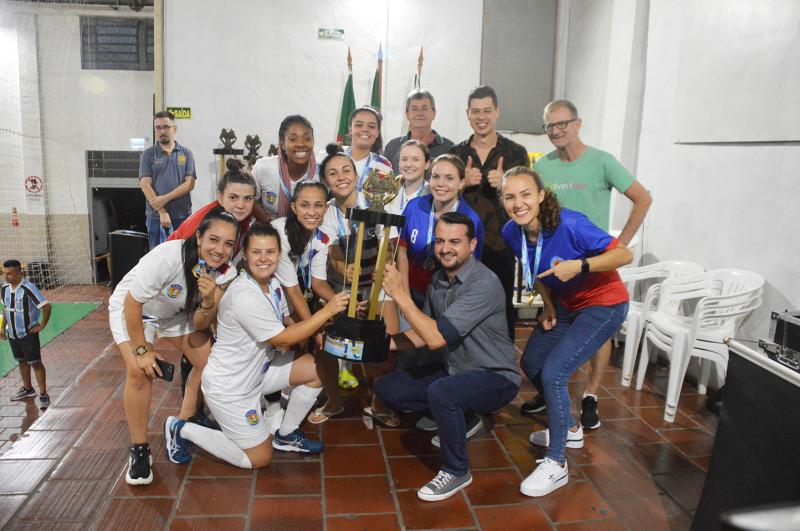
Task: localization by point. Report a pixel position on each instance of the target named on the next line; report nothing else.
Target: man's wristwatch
(584, 265)
(140, 350)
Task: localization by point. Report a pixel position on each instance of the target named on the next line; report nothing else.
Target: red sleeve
(189, 226)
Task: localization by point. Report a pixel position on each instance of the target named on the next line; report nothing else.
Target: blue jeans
(452, 399)
(551, 358)
(154, 234)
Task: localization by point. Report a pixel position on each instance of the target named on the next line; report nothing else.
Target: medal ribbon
(276, 305)
(526, 265)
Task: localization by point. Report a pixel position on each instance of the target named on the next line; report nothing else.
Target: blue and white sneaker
(177, 446)
(296, 442)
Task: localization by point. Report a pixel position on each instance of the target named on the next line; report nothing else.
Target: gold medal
(200, 268)
(531, 298)
(308, 294)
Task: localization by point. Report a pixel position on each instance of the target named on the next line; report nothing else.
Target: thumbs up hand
(473, 176)
(495, 176)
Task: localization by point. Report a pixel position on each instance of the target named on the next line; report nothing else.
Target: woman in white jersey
(170, 288)
(366, 143)
(250, 359)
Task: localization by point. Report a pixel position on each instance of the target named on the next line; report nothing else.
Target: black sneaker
(536, 405)
(44, 401)
(139, 461)
(590, 419)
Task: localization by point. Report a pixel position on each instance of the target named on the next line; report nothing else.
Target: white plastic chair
(723, 297)
(638, 310)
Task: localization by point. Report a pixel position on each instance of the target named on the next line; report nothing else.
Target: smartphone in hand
(167, 370)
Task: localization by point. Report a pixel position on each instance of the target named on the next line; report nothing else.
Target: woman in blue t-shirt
(415, 259)
(572, 263)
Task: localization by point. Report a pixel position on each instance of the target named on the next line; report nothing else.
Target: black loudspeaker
(127, 248)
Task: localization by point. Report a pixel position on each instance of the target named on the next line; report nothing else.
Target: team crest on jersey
(271, 197)
(251, 417)
(174, 291)
(182, 159)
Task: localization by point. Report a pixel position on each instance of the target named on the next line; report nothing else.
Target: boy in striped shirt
(26, 313)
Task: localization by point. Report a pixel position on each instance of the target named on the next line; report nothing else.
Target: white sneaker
(547, 477)
(574, 438)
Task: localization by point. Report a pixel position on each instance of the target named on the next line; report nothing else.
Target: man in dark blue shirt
(166, 176)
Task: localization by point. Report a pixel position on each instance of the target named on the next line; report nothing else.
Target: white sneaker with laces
(547, 477)
(574, 438)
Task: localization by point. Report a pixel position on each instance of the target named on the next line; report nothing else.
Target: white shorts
(240, 418)
(176, 326)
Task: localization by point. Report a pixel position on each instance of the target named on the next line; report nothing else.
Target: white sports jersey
(158, 282)
(288, 268)
(268, 177)
(247, 318)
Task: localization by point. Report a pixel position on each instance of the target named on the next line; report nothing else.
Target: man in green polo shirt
(582, 177)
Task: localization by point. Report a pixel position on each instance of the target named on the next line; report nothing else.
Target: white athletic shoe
(574, 438)
(547, 477)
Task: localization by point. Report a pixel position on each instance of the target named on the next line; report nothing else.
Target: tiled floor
(64, 471)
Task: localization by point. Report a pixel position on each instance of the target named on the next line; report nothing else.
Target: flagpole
(380, 72)
(420, 60)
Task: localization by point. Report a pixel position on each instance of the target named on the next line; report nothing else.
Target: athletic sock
(300, 403)
(589, 394)
(273, 414)
(215, 443)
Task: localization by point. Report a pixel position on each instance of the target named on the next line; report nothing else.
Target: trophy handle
(379, 267)
(351, 309)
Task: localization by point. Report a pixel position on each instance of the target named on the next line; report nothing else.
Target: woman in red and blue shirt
(572, 263)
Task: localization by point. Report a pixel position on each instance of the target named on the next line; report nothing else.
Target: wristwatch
(584, 265)
(140, 350)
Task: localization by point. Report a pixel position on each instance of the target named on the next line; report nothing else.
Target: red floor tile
(41, 445)
(272, 514)
(64, 418)
(486, 453)
(91, 464)
(684, 486)
(624, 479)
(363, 522)
(22, 477)
(523, 517)
(65, 499)
(347, 431)
(215, 496)
(167, 481)
(651, 512)
(220, 523)
(495, 487)
(353, 460)
(366, 494)
(105, 436)
(694, 443)
(660, 458)
(413, 472)
(418, 514)
(632, 431)
(84, 397)
(134, 514)
(654, 417)
(289, 478)
(408, 443)
(575, 501)
(595, 525)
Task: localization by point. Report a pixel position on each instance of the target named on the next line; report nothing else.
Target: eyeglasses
(164, 127)
(557, 125)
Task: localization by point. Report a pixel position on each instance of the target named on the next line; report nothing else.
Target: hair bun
(332, 149)
(234, 164)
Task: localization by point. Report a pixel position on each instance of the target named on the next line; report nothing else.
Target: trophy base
(359, 340)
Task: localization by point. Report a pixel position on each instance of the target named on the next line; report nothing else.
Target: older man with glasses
(583, 176)
(166, 176)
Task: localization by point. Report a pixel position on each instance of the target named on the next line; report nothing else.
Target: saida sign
(181, 113)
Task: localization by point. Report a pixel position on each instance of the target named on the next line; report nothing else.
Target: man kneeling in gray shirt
(465, 315)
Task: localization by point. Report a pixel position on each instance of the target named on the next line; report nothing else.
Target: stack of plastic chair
(721, 300)
(638, 310)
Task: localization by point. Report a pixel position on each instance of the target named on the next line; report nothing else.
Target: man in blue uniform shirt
(26, 313)
(166, 176)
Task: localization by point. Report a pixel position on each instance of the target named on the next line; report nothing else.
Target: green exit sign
(181, 113)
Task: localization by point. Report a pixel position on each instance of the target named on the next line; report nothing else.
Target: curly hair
(549, 209)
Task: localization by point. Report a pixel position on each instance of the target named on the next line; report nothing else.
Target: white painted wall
(83, 109)
(248, 68)
(731, 205)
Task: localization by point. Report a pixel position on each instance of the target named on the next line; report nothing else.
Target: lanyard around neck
(526, 265)
(273, 299)
(431, 220)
